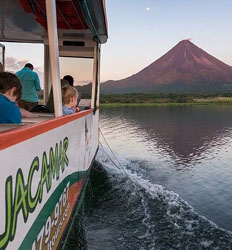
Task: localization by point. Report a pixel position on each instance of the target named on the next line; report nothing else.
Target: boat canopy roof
(26, 21)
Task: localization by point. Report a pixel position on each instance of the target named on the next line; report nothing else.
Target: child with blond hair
(69, 100)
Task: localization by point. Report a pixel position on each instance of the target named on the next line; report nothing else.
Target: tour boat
(45, 161)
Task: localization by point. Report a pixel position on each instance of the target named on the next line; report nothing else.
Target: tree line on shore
(162, 98)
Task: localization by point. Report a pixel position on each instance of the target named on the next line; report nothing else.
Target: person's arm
(26, 114)
(77, 109)
(37, 82)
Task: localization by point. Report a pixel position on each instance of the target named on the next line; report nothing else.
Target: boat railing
(39, 117)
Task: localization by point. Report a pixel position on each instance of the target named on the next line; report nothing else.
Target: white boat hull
(43, 172)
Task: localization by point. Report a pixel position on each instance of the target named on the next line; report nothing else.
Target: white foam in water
(179, 213)
(206, 243)
(155, 190)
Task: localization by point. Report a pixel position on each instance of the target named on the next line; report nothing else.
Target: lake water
(170, 186)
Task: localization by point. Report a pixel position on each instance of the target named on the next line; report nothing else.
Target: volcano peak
(184, 68)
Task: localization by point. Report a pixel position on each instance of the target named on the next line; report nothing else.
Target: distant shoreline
(112, 105)
(149, 100)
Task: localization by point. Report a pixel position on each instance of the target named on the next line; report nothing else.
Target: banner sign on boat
(39, 191)
(21, 200)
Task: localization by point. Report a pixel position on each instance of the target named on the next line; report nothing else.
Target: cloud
(147, 9)
(13, 65)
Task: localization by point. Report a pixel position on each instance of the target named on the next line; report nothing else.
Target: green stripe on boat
(49, 208)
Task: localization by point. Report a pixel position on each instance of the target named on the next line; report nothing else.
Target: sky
(141, 31)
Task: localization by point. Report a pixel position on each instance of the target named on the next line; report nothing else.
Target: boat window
(81, 69)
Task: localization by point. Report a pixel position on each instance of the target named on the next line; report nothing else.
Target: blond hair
(67, 93)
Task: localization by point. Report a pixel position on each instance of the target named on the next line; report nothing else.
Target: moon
(147, 9)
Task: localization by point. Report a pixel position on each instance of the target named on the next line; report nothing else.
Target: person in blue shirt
(10, 92)
(69, 100)
(30, 85)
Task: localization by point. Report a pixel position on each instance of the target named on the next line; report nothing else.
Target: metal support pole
(94, 76)
(46, 74)
(54, 55)
(98, 74)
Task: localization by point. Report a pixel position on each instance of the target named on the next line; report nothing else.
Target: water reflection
(186, 149)
(185, 133)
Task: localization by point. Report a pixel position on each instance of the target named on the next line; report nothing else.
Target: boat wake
(127, 211)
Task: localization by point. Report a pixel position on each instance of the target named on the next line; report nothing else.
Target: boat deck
(40, 117)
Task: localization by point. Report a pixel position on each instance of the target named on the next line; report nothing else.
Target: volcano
(185, 68)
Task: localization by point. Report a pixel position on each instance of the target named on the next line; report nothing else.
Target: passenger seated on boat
(30, 84)
(71, 81)
(10, 92)
(69, 100)
(50, 102)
